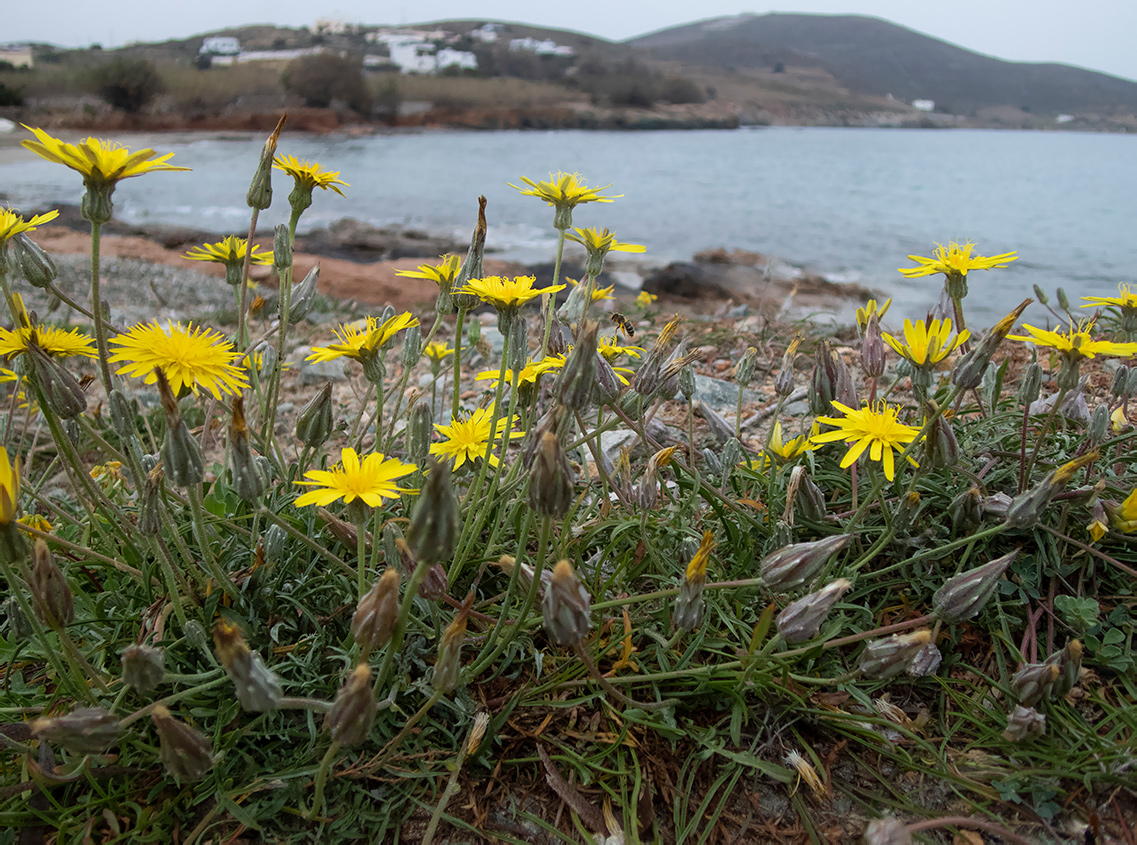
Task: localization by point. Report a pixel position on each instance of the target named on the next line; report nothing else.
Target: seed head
(353, 711)
(187, 753)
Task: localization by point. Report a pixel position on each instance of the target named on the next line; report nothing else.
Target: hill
(874, 57)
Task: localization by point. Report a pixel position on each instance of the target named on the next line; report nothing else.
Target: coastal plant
(220, 618)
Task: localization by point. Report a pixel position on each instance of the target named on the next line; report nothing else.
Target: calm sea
(850, 203)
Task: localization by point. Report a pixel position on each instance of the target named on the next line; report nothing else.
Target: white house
(548, 47)
(18, 55)
(486, 33)
(446, 57)
(924, 105)
(221, 45)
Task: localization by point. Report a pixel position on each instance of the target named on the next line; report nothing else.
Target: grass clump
(909, 610)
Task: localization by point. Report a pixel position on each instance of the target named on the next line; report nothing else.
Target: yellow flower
(469, 437)
(190, 357)
(442, 274)
(7, 376)
(528, 374)
(645, 299)
(697, 568)
(1097, 529)
(870, 308)
(601, 241)
(12, 224)
(956, 260)
(1126, 299)
(55, 342)
(874, 428)
(371, 480)
(108, 473)
(564, 190)
(610, 349)
(926, 345)
(9, 487)
(229, 251)
(309, 175)
(598, 294)
(795, 447)
(1077, 343)
(359, 342)
(1118, 419)
(506, 294)
(36, 521)
(437, 351)
(102, 163)
(1123, 518)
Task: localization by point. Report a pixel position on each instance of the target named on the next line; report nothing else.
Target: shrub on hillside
(322, 78)
(678, 89)
(128, 84)
(10, 96)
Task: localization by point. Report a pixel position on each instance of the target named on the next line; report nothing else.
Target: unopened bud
(248, 481)
(275, 544)
(412, 345)
(713, 462)
(51, 596)
(62, 392)
(823, 382)
(259, 195)
(941, 449)
(1026, 508)
(377, 612)
(551, 479)
(566, 606)
(256, 686)
(433, 532)
(448, 666)
(784, 382)
(35, 265)
(1040, 294)
(744, 372)
(303, 297)
(872, 348)
(353, 711)
(963, 596)
(1033, 682)
(687, 382)
(608, 384)
(1119, 387)
(1069, 663)
(1099, 425)
(314, 424)
(802, 619)
(794, 565)
(887, 832)
(143, 667)
(181, 454)
(187, 753)
(731, 456)
(966, 510)
(1024, 723)
(1063, 300)
(281, 249)
(890, 656)
(87, 730)
(577, 379)
(150, 502)
(1031, 385)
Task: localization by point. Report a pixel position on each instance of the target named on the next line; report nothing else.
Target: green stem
(322, 780)
(224, 582)
(97, 308)
(396, 643)
(457, 363)
(394, 744)
(243, 298)
(553, 296)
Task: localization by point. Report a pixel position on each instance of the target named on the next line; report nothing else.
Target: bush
(680, 90)
(320, 79)
(10, 96)
(128, 84)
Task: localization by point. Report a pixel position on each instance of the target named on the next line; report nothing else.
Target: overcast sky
(1097, 34)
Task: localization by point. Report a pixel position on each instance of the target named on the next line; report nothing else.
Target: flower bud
(823, 381)
(1033, 682)
(187, 753)
(62, 392)
(941, 449)
(687, 382)
(712, 462)
(248, 481)
(86, 730)
(890, 656)
(744, 372)
(1063, 300)
(784, 383)
(687, 614)
(472, 266)
(802, 619)
(731, 457)
(966, 510)
(150, 502)
(1120, 384)
(1131, 382)
(1040, 295)
(872, 348)
(353, 711)
(887, 832)
(259, 195)
(303, 297)
(1031, 385)
(35, 265)
(577, 378)
(51, 596)
(257, 688)
(181, 454)
(314, 424)
(646, 491)
(377, 612)
(281, 249)
(566, 606)
(448, 665)
(550, 479)
(1024, 723)
(412, 346)
(794, 565)
(275, 541)
(1099, 425)
(963, 596)
(1025, 509)
(344, 532)
(433, 531)
(1069, 663)
(143, 667)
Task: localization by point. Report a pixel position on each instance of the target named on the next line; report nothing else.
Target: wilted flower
(565, 607)
(353, 711)
(791, 566)
(802, 619)
(890, 656)
(1033, 681)
(52, 599)
(187, 753)
(85, 730)
(687, 614)
(1024, 723)
(966, 594)
(256, 686)
(143, 667)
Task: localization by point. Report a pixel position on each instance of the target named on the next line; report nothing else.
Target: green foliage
(323, 78)
(10, 96)
(128, 84)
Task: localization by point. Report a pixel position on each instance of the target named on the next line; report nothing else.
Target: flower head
(598, 294)
(645, 299)
(371, 480)
(610, 349)
(564, 190)
(528, 374)
(437, 351)
(1126, 298)
(697, 567)
(506, 294)
(1124, 517)
(9, 488)
(601, 240)
(442, 274)
(309, 175)
(1076, 343)
(59, 343)
(871, 307)
(955, 260)
(469, 437)
(191, 358)
(12, 224)
(795, 447)
(359, 342)
(874, 428)
(102, 163)
(926, 345)
(230, 251)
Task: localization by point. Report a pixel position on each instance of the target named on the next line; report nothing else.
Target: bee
(622, 322)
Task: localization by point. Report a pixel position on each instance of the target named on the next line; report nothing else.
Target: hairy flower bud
(551, 479)
(353, 711)
(1033, 682)
(823, 382)
(872, 348)
(1024, 723)
(186, 753)
(890, 656)
(62, 392)
(248, 481)
(575, 383)
(1119, 387)
(51, 596)
(419, 429)
(687, 382)
(256, 686)
(566, 606)
(143, 667)
(412, 346)
(887, 832)
(181, 454)
(259, 195)
(281, 249)
(448, 665)
(1031, 385)
(730, 457)
(1026, 508)
(802, 619)
(687, 614)
(377, 612)
(784, 382)
(1099, 425)
(433, 532)
(963, 596)
(744, 372)
(35, 265)
(303, 297)
(941, 449)
(86, 730)
(1069, 663)
(794, 565)
(314, 423)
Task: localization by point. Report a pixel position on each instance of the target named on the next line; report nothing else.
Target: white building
(331, 26)
(548, 47)
(486, 33)
(414, 51)
(446, 57)
(18, 55)
(924, 105)
(221, 45)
